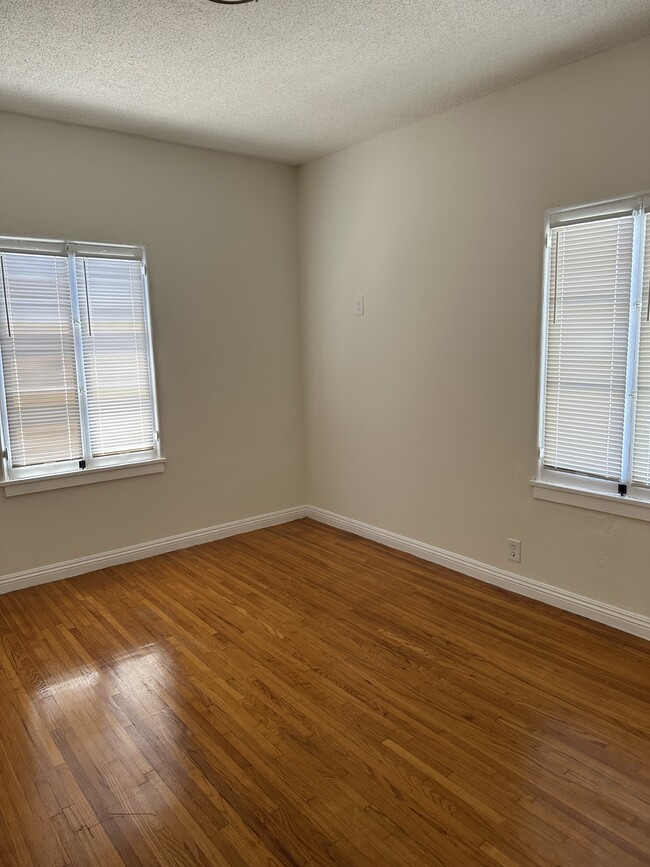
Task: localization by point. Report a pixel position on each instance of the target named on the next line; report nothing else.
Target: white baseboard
(69, 568)
(619, 618)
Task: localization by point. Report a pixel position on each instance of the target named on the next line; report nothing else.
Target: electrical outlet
(359, 305)
(514, 550)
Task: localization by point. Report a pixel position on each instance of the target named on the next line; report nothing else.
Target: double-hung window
(77, 389)
(594, 430)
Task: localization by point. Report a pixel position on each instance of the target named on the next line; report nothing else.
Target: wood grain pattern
(300, 696)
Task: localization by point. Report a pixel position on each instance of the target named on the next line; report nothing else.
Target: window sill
(15, 487)
(594, 500)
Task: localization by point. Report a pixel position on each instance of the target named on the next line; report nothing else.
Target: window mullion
(632, 370)
(78, 355)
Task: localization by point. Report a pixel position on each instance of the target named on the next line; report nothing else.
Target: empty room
(324, 433)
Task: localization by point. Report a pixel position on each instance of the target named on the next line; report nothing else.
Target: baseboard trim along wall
(69, 568)
(619, 618)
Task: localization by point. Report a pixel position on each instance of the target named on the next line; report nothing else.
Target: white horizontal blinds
(37, 345)
(587, 339)
(641, 446)
(115, 355)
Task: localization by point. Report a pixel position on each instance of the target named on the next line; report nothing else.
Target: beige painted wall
(421, 415)
(221, 238)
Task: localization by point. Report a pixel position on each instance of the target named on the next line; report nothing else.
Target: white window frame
(573, 488)
(68, 473)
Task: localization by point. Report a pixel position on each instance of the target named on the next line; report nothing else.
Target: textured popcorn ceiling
(285, 79)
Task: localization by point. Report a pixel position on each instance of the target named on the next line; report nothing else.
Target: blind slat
(590, 273)
(37, 345)
(641, 445)
(115, 355)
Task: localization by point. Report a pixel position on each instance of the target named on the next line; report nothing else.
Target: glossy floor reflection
(299, 696)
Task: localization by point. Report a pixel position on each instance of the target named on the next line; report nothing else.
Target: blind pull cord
(4, 292)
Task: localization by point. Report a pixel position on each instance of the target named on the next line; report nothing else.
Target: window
(77, 392)
(594, 432)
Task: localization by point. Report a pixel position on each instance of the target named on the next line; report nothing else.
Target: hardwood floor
(299, 696)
